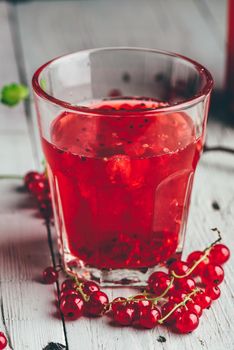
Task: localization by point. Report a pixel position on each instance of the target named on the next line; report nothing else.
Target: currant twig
(79, 284)
(164, 293)
(182, 303)
(80, 289)
(202, 258)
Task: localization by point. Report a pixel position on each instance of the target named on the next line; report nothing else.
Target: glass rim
(181, 105)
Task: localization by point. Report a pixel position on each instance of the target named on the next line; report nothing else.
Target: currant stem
(78, 284)
(165, 291)
(217, 240)
(79, 289)
(182, 303)
(203, 257)
(206, 252)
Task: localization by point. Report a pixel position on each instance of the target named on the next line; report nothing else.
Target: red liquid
(122, 182)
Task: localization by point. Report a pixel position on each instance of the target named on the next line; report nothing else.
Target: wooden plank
(27, 307)
(70, 26)
(216, 11)
(26, 310)
(15, 149)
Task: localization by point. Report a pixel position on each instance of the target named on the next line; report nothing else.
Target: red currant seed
(50, 275)
(179, 267)
(68, 284)
(3, 341)
(213, 292)
(118, 303)
(187, 322)
(185, 284)
(166, 308)
(213, 275)
(219, 254)
(125, 315)
(90, 287)
(194, 308)
(149, 317)
(202, 299)
(71, 306)
(97, 303)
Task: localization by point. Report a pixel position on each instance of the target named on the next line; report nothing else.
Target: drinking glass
(122, 130)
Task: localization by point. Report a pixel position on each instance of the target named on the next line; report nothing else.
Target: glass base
(114, 277)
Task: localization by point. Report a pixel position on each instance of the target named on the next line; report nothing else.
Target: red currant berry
(219, 254)
(125, 315)
(193, 258)
(185, 284)
(166, 308)
(3, 341)
(177, 296)
(194, 308)
(202, 299)
(44, 197)
(68, 284)
(38, 187)
(149, 317)
(213, 275)
(142, 302)
(67, 292)
(32, 176)
(71, 306)
(154, 276)
(187, 322)
(213, 292)
(90, 287)
(97, 303)
(50, 275)
(46, 209)
(160, 284)
(118, 303)
(179, 268)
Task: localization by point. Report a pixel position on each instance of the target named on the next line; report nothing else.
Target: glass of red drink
(122, 130)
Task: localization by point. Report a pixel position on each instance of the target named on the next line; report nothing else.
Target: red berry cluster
(37, 184)
(3, 341)
(176, 298)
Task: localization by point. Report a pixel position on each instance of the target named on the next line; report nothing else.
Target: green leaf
(43, 84)
(13, 94)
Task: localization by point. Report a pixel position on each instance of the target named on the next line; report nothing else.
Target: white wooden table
(30, 34)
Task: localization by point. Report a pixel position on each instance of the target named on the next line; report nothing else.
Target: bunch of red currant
(37, 184)
(3, 341)
(176, 298)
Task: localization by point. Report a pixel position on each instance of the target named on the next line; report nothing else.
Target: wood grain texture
(15, 149)
(53, 28)
(26, 308)
(66, 26)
